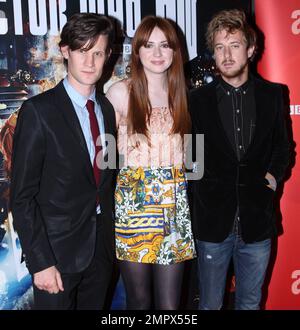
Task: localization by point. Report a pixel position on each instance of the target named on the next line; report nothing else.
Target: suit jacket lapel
(262, 114)
(105, 119)
(107, 130)
(220, 134)
(65, 105)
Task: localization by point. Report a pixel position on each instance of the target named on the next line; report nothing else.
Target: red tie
(95, 134)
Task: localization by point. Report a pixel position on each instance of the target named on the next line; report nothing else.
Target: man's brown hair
(86, 27)
(231, 21)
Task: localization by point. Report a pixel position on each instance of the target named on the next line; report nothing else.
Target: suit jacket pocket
(58, 224)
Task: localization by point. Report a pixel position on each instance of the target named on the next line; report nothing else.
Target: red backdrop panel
(280, 23)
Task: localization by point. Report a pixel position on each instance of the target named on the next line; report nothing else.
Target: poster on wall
(30, 63)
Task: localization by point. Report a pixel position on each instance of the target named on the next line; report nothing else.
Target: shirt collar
(76, 97)
(229, 89)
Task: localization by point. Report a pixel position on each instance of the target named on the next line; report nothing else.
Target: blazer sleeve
(29, 148)
(281, 147)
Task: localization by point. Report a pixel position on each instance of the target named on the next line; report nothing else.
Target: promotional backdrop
(280, 23)
(30, 63)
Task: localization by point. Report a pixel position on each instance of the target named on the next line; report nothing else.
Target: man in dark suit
(246, 152)
(61, 199)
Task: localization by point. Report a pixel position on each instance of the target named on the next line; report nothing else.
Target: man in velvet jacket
(246, 152)
(62, 214)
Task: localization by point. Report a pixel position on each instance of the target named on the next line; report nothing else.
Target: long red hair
(139, 107)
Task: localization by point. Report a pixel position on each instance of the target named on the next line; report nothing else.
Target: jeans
(250, 264)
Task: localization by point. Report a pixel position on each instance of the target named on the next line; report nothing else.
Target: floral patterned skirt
(153, 222)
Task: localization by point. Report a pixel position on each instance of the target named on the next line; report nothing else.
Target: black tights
(138, 279)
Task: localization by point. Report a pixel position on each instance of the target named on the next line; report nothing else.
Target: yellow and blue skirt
(153, 223)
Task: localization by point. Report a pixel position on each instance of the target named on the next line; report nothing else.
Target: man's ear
(65, 52)
(250, 51)
(108, 56)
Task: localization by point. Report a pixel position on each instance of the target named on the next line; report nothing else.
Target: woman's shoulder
(119, 88)
(118, 94)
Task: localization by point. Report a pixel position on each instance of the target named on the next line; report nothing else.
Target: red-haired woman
(153, 227)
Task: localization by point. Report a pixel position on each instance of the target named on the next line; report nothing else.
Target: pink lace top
(164, 149)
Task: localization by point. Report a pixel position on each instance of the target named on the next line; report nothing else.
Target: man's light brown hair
(231, 21)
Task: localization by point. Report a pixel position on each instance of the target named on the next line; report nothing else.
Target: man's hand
(272, 181)
(49, 280)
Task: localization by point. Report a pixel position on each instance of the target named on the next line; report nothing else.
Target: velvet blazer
(227, 183)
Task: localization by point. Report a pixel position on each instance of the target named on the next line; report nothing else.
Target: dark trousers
(86, 290)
